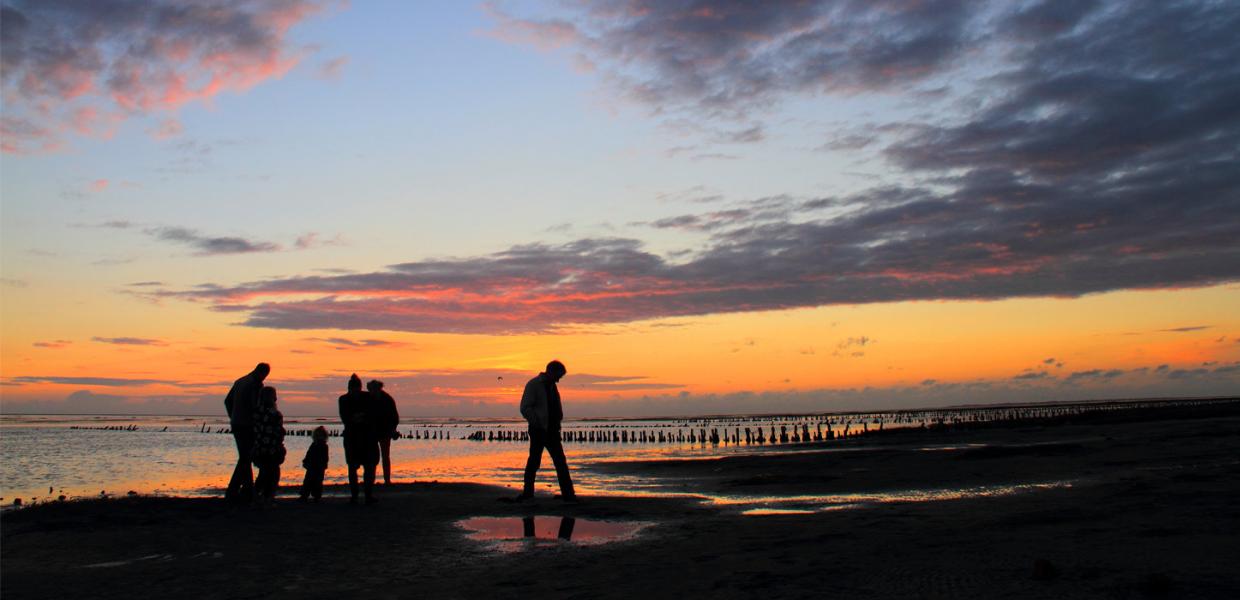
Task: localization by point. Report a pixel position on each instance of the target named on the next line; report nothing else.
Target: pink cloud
(82, 69)
(544, 35)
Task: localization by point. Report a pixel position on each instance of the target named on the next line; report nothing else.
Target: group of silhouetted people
(370, 420)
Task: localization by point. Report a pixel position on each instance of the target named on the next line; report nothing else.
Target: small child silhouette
(315, 464)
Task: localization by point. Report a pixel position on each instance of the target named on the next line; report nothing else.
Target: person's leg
(241, 485)
(316, 486)
(260, 483)
(353, 481)
(556, 449)
(305, 485)
(537, 438)
(368, 481)
(385, 448)
(273, 484)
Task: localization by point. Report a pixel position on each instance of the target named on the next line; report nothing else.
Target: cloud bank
(1084, 148)
(81, 68)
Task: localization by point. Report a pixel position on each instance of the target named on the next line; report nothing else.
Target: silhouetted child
(268, 445)
(315, 464)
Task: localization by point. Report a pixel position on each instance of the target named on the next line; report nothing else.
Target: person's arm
(527, 402)
(229, 400)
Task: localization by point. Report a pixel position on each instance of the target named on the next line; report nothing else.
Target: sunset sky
(699, 207)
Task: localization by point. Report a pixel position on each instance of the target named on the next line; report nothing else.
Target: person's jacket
(316, 457)
(357, 413)
(388, 418)
(535, 404)
(242, 401)
(268, 436)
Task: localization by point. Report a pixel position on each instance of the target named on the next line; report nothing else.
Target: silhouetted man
(540, 405)
(241, 402)
(358, 413)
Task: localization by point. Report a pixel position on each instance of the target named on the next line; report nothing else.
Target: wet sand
(1134, 505)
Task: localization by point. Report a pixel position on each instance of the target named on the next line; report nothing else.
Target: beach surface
(1136, 504)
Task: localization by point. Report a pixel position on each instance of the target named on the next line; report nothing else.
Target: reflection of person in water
(541, 407)
(529, 529)
(566, 528)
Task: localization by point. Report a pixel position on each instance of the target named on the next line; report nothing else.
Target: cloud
(1037, 185)
(100, 381)
(733, 57)
(314, 240)
(889, 245)
(346, 343)
(1095, 374)
(168, 128)
(129, 341)
(1031, 375)
(52, 344)
(852, 346)
(495, 392)
(1188, 329)
(82, 67)
(334, 68)
(209, 245)
(544, 35)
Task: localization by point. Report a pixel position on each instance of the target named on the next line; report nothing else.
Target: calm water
(46, 456)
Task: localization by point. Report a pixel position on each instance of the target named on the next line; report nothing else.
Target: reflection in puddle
(783, 505)
(510, 534)
(757, 512)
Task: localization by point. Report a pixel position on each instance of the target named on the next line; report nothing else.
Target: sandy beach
(1125, 505)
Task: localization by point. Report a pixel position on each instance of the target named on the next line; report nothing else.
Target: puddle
(112, 564)
(120, 563)
(758, 512)
(513, 534)
(792, 505)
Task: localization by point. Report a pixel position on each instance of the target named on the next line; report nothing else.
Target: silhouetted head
(374, 385)
(555, 370)
(320, 434)
(268, 396)
(261, 370)
(355, 383)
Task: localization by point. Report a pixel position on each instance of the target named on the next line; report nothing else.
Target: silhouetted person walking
(386, 422)
(268, 446)
(361, 445)
(541, 407)
(241, 403)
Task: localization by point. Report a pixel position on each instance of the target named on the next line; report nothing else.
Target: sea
(47, 457)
